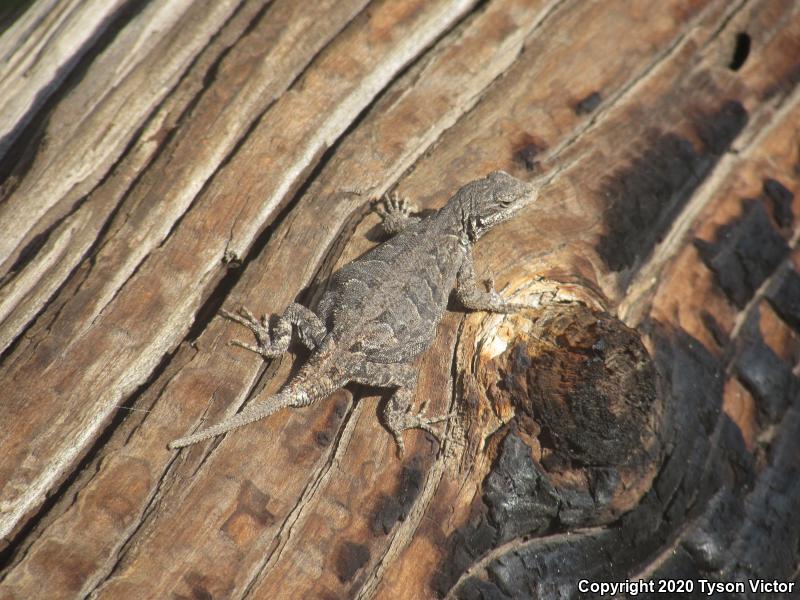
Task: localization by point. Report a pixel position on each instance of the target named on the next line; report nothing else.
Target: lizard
(380, 311)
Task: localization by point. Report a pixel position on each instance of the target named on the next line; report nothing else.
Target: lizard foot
(395, 213)
(266, 347)
(415, 421)
(394, 205)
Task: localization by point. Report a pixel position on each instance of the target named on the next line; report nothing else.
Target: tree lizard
(380, 312)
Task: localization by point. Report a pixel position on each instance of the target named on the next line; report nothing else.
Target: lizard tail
(297, 393)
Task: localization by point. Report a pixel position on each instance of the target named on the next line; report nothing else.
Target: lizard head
(492, 200)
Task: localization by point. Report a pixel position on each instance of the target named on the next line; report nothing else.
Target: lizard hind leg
(397, 415)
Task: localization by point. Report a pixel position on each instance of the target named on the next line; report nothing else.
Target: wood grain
(199, 155)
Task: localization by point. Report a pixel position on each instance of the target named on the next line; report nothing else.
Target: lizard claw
(401, 447)
(417, 421)
(246, 318)
(264, 351)
(266, 346)
(395, 213)
(394, 205)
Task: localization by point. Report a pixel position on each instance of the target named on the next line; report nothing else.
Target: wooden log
(639, 421)
(91, 127)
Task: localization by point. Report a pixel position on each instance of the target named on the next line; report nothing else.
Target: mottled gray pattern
(381, 311)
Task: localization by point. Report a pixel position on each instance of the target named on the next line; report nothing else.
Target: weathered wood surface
(183, 156)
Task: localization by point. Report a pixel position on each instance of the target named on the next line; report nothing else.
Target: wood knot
(578, 387)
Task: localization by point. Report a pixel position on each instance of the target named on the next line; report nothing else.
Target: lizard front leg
(396, 414)
(396, 213)
(472, 297)
(310, 328)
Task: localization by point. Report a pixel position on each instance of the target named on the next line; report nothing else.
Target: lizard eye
(500, 199)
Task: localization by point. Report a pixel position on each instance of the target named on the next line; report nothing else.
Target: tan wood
(228, 155)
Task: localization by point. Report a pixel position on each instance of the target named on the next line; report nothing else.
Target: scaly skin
(381, 311)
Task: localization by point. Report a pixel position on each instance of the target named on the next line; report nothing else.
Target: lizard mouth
(509, 209)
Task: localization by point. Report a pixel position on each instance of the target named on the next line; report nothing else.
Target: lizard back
(386, 304)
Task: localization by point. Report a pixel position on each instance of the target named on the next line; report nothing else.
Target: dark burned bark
(580, 448)
(640, 421)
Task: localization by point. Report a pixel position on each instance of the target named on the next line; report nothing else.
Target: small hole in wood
(740, 51)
